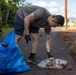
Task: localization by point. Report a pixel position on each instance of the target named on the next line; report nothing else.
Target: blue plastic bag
(11, 58)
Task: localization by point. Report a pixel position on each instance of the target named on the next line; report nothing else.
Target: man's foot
(52, 58)
(32, 60)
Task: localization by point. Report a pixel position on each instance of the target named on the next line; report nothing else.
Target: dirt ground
(70, 39)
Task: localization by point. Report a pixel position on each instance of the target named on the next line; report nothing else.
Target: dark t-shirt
(40, 14)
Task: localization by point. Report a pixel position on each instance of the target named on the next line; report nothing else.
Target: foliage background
(8, 9)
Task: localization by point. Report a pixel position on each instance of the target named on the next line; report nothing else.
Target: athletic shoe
(52, 58)
(32, 60)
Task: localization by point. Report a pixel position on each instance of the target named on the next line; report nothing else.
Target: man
(30, 19)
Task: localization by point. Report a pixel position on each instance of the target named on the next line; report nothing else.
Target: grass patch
(6, 30)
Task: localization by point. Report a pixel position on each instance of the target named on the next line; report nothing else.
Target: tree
(8, 10)
(1, 2)
(0, 16)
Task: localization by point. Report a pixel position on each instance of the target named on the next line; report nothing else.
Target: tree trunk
(0, 17)
(7, 15)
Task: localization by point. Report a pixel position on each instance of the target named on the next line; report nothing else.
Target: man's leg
(35, 41)
(18, 27)
(18, 38)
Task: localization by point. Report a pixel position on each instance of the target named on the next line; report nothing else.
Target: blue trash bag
(11, 58)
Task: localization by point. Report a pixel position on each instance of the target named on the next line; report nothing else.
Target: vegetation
(5, 30)
(8, 9)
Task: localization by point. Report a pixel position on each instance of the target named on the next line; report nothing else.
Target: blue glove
(27, 38)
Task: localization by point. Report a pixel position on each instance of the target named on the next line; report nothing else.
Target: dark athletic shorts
(19, 26)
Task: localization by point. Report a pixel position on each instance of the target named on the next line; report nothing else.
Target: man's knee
(35, 37)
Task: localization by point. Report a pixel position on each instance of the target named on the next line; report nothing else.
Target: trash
(53, 64)
(11, 58)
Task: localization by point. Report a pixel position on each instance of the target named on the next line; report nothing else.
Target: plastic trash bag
(53, 64)
(11, 58)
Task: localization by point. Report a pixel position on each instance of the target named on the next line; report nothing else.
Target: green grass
(6, 30)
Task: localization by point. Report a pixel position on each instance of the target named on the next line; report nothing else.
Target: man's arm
(48, 42)
(27, 20)
(38, 14)
(48, 38)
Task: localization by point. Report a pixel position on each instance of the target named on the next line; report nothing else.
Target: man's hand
(27, 38)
